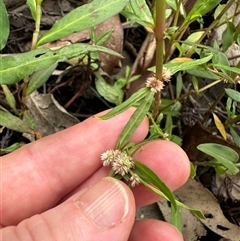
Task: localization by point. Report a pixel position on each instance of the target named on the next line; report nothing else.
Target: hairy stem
(159, 35)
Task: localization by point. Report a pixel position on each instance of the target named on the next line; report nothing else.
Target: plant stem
(159, 35)
(177, 13)
(233, 120)
(37, 25)
(34, 44)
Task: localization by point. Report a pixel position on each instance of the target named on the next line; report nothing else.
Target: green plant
(114, 93)
(211, 63)
(35, 67)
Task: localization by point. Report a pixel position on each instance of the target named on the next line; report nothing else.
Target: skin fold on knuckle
(35, 228)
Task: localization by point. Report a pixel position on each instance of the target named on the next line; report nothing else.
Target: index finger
(44, 171)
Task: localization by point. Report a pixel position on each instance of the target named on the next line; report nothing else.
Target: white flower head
(120, 162)
(165, 136)
(109, 156)
(155, 84)
(237, 79)
(135, 180)
(166, 74)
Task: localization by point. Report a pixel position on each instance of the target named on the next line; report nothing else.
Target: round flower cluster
(121, 164)
(166, 74)
(134, 179)
(156, 84)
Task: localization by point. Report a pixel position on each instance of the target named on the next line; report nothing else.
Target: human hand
(54, 188)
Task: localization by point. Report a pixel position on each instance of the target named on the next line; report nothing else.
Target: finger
(154, 230)
(165, 158)
(44, 171)
(168, 161)
(104, 211)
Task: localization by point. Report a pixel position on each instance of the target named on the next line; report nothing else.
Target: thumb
(104, 211)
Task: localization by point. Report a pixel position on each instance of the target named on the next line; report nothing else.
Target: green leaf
(228, 68)
(150, 177)
(104, 37)
(39, 2)
(4, 26)
(200, 8)
(109, 92)
(176, 218)
(33, 8)
(141, 10)
(120, 83)
(235, 136)
(194, 37)
(14, 123)
(135, 120)
(233, 94)
(223, 154)
(192, 171)
(227, 36)
(131, 101)
(219, 10)
(133, 78)
(166, 107)
(83, 17)
(237, 39)
(168, 13)
(195, 83)
(220, 60)
(172, 3)
(203, 73)
(179, 85)
(180, 66)
(39, 78)
(75, 50)
(219, 168)
(30, 121)
(169, 32)
(10, 149)
(197, 212)
(229, 107)
(15, 68)
(10, 98)
(168, 125)
(223, 75)
(135, 19)
(236, 35)
(176, 139)
(175, 108)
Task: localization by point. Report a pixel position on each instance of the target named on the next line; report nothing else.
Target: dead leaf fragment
(115, 43)
(192, 228)
(196, 196)
(220, 126)
(49, 115)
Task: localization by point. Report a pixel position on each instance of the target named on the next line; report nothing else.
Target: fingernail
(106, 202)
